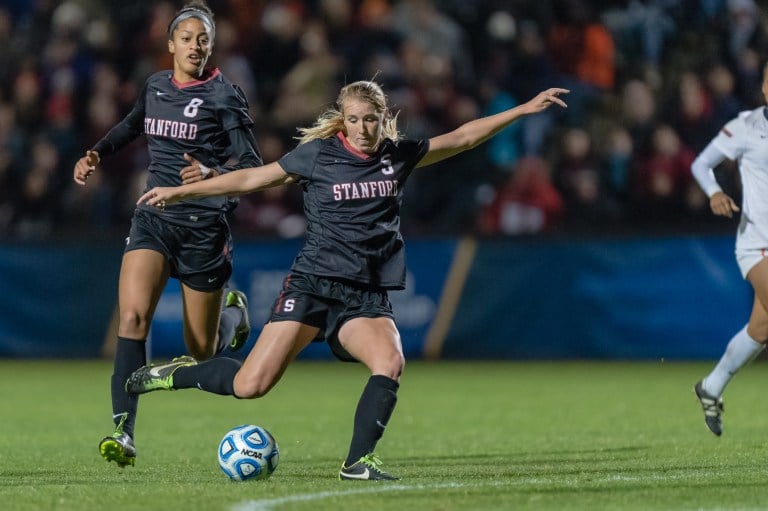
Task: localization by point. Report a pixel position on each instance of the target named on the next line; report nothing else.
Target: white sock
(740, 351)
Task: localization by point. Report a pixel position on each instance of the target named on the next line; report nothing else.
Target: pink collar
(357, 152)
(208, 75)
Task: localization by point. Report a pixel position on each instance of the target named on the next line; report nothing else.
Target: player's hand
(195, 171)
(86, 166)
(160, 197)
(546, 99)
(722, 205)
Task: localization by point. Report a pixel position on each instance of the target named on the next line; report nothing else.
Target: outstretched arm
(474, 133)
(242, 143)
(237, 182)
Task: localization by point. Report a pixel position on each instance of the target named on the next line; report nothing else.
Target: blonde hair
(331, 121)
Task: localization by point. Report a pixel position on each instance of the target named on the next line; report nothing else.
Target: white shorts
(748, 259)
(751, 244)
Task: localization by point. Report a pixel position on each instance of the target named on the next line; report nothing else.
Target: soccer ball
(248, 452)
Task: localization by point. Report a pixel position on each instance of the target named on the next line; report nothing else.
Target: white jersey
(745, 140)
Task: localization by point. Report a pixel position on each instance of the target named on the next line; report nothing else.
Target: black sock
(230, 318)
(216, 375)
(374, 409)
(129, 356)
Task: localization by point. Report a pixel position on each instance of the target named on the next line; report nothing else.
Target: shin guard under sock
(374, 409)
(230, 318)
(216, 375)
(129, 356)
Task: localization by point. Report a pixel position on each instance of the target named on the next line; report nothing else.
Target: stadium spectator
(744, 28)
(579, 176)
(371, 33)
(744, 43)
(279, 47)
(352, 167)
(36, 208)
(617, 159)
(638, 113)
(309, 83)
(189, 109)
(234, 62)
(582, 46)
(422, 24)
(528, 69)
(725, 103)
(430, 200)
(106, 202)
(6, 40)
(582, 51)
(527, 203)
(643, 30)
(55, 53)
(743, 140)
(506, 148)
(11, 154)
(661, 179)
(690, 111)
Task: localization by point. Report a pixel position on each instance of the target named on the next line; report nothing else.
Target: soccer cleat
(243, 330)
(713, 408)
(367, 468)
(118, 447)
(156, 377)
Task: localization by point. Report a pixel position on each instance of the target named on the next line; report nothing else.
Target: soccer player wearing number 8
(352, 166)
(197, 111)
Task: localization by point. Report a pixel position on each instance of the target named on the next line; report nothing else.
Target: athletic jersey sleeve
(236, 122)
(126, 131)
(301, 160)
(703, 168)
(412, 151)
(234, 112)
(243, 144)
(731, 138)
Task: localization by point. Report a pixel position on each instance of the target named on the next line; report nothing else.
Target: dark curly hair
(194, 9)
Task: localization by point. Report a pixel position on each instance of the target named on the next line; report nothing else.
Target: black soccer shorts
(327, 304)
(200, 257)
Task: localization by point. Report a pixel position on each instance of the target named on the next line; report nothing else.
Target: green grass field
(465, 436)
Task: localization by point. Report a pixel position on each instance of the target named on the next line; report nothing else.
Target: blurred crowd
(651, 82)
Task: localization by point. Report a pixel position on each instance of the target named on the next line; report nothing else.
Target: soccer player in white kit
(744, 140)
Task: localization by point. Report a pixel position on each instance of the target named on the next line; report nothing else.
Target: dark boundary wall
(671, 298)
(662, 298)
(56, 300)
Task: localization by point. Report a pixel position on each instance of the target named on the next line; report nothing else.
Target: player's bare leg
(202, 310)
(278, 345)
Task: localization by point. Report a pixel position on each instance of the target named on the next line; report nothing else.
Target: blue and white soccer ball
(248, 452)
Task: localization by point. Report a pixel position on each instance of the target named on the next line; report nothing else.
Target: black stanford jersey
(207, 119)
(352, 205)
